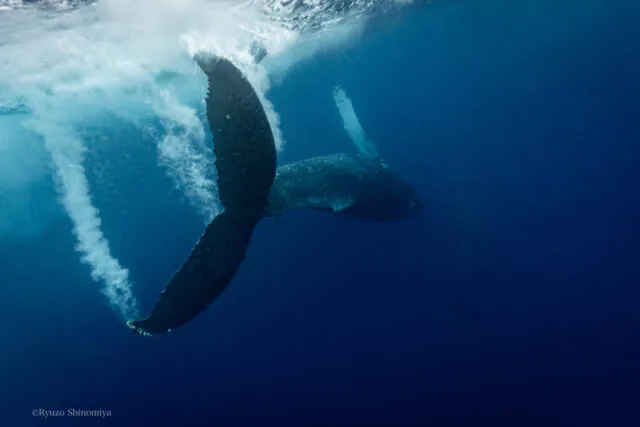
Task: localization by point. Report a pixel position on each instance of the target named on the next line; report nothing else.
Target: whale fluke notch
(246, 161)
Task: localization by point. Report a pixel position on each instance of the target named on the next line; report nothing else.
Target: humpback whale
(344, 184)
(250, 188)
(351, 185)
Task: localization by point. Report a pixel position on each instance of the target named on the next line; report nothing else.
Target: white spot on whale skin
(342, 204)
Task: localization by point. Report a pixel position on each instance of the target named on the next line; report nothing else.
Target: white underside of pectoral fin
(352, 124)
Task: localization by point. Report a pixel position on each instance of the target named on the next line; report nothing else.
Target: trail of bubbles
(352, 124)
(67, 153)
(189, 162)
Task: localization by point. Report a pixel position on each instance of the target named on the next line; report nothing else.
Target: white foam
(184, 152)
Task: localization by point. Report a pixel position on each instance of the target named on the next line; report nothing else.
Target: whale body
(348, 185)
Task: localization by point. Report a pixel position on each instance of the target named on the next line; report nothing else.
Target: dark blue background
(513, 300)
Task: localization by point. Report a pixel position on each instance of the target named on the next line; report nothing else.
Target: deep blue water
(512, 300)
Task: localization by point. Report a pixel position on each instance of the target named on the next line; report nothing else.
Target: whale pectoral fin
(209, 269)
(366, 148)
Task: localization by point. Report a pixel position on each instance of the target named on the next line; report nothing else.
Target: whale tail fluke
(246, 162)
